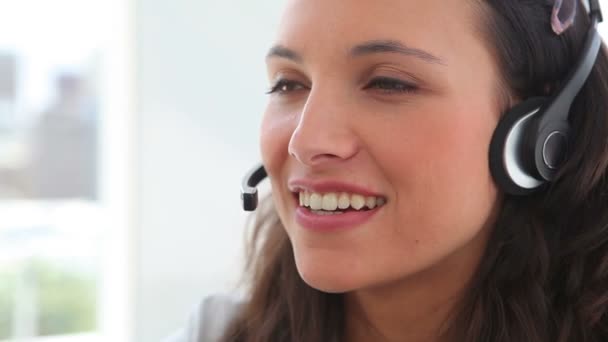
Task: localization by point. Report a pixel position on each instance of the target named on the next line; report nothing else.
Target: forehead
(438, 26)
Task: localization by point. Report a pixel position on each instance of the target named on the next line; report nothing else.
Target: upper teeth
(333, 201)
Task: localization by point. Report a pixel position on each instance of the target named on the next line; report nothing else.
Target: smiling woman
(438, 173)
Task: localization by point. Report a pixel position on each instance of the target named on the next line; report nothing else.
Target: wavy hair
(544, 274)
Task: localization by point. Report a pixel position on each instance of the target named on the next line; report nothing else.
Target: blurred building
(8, 85)
(63, 144)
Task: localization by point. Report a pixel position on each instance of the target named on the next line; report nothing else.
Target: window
(63, 169)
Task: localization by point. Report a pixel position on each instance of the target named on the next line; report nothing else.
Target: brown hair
(544, 275)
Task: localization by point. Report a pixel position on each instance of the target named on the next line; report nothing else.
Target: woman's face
(384, 104)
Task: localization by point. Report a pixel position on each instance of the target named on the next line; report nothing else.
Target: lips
(298, 185)
(331, 205)
(311, 220)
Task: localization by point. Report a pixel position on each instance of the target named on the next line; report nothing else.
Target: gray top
(208, 321)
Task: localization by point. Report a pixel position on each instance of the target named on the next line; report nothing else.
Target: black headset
(531, 140)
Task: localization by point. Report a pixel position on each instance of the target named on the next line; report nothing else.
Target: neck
(418, 307)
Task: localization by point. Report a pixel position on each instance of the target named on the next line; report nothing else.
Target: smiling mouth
(336, 203)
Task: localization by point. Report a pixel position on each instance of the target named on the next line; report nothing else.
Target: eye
(391, 85)
(285, 86)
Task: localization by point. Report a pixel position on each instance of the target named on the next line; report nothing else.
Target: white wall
(200, 92)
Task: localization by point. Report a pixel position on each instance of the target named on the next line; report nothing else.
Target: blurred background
(125, 129)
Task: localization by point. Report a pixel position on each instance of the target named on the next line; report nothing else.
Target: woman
(389, 219)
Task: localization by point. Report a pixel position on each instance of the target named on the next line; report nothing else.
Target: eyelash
(386, 85)
(390, 85)
(284, 83)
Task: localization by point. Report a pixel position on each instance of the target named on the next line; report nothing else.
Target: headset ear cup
(551, 148)
(509, 163)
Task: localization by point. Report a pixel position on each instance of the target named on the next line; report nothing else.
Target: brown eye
(391, 85)
(285, 86)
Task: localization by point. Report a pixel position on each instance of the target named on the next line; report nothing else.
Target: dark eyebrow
(393, 46)
(283, 52)
(367, 48)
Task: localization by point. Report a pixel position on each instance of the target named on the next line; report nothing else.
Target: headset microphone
(249, 190)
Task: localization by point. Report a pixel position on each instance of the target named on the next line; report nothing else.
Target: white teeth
(344, 201)
(335, 202)
(330, 202)
(316, 201)
(357, 202)
(370, 202)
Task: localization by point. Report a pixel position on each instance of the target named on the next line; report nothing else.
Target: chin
(328, 278)
(329, 285)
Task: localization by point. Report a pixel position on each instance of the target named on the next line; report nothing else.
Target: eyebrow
(393, 46)
(367, 48)
(283, 52)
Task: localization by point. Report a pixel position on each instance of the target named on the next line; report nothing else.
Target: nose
(324, 133)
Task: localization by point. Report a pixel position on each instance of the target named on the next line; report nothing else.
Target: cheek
(444, 190)
(275, 133)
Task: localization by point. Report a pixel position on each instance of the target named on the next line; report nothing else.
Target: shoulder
(209, 319)
(214, 315)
